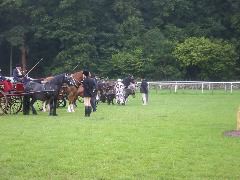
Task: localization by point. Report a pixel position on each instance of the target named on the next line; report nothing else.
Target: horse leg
(54, 113)
(32, 107)
(71, 101)
(72, 105)
(44, 106)
(26, 104)
(69, 106)
(51, 106)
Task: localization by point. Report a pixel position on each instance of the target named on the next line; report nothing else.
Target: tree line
(157, 39)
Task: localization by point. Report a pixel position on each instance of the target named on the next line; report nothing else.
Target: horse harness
(76, 82)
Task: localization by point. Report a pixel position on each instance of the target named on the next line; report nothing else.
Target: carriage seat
(19, 87)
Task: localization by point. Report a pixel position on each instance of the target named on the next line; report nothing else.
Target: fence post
(231, 88)
(202, 88)
(175, 87)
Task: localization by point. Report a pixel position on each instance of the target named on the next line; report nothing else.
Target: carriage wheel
(14, 104)
(39, 105)
(3, 104)
(80, 99)
(61, 102)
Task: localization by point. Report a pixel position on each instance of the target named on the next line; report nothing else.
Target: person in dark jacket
(17, 73)
(128, 80)
(144, 91)
(93, 98)
(2, 78)
(88, 85)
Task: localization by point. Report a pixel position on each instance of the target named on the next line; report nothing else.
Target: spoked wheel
(80, 99)
(14, 104)
(62, 102)
(3, 104)
(39, 105)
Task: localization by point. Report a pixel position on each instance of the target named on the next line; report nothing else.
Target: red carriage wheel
(3, 103)
(14, 104)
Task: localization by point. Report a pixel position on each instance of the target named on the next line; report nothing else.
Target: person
(93, 100)
(126, 81)
(88, 86)
(144, 91)
(2, 78)
(119, 90)
(7, 85)
(17, 73)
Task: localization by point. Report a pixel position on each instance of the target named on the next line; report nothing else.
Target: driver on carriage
(17, 73)
(128, 81)
(2, 78)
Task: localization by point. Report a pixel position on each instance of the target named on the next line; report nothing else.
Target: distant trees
(203, 58)
(163, 40)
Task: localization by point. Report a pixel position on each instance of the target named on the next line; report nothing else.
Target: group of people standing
(90, 91)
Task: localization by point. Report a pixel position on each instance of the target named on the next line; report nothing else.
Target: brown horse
(72, 91)
(75, 90)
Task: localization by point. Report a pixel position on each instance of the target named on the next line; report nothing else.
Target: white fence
(174, 86)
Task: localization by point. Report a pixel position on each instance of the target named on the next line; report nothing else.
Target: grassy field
(177, 136)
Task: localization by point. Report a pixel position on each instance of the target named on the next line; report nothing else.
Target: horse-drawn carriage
(11, 97)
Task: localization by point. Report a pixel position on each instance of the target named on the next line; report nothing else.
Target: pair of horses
(49, 92)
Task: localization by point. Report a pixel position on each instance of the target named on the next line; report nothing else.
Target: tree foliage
(211, 58)
(160, 39)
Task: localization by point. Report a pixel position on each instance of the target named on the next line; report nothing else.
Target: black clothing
(126, 81)
(144, 87)
(16, 75)
(88, 85)
(86, 73)
(93, 98)
(2, 78)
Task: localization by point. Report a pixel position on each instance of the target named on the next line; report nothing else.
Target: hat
(119, 80)
(86, 73)
(18, 65)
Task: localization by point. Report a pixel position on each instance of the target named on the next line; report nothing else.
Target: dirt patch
(232, 133)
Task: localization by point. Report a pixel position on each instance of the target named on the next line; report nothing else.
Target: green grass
(177, 136)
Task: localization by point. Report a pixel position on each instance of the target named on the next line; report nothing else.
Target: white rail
(194, 85)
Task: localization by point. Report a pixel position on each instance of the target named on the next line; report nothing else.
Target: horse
(44, 92)
(130, 91)
(110, 93)
(76, 89)
(106, 91)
